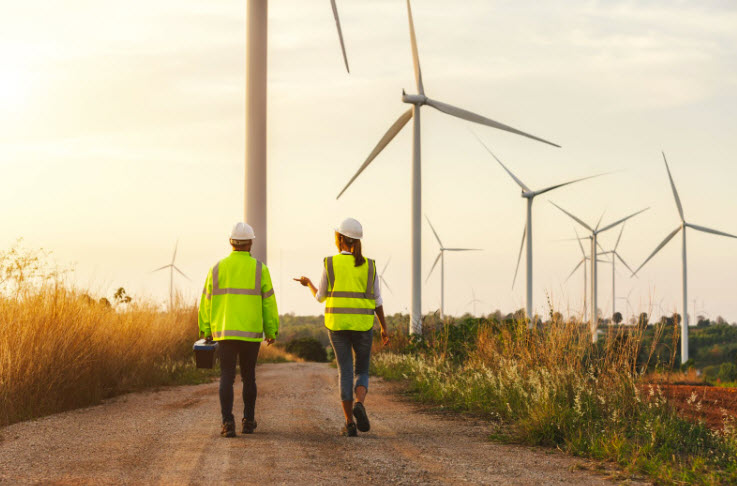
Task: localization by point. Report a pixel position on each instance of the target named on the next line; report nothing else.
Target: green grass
(553, 388)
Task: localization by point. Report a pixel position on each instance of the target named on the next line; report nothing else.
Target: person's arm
(203, 316)
(318, 293)
(268, 306)
(382, 322)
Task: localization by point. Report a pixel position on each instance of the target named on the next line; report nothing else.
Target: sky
(122, 132)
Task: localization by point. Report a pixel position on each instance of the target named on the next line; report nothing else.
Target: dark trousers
(230, 350)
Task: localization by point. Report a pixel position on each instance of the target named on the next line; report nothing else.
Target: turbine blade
(623, 262)
(519, 182)
(616, 223)
(580, 245)
(548, 189)
(602, 248)
(160, 268)
(433, 231)
(673, 186)
(433, 266)
(473, 117)
(619, 238)
(181, 273)
(574, 270)
(709, 230)
(519, 257)
(386, 265)
(598, 223)
(385, 284)
(573, 217)
(388, 136)
(415, 55)
(659, 247)
(340, 34)
(174, 257)
(463, 249)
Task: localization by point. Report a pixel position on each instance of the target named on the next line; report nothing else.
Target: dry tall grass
(59, 349)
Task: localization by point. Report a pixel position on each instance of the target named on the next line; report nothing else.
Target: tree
(617, 318)
(642, 321)
(121, 297)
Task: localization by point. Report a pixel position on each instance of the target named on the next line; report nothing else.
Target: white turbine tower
(417, 101)
(256, 81)
(441, 259)
(584, 258)
(593, 312)
(530, 195)
(381, 276)
(682, 227)
(172, 267)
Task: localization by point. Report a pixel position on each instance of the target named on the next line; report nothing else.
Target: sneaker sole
(362, 421)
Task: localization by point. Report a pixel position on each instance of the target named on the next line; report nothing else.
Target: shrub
(309, 349)
(727, 372)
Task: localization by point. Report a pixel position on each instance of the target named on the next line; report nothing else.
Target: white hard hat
(242, 231)
(350, 228)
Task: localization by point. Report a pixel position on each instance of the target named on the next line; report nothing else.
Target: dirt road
(172, 437)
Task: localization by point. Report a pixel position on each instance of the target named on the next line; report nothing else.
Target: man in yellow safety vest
(238, 309)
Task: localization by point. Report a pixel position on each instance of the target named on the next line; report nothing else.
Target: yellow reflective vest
(238, 300)
(350, 301)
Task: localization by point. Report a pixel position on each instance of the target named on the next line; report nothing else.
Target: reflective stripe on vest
(256, 290)
(233, 333)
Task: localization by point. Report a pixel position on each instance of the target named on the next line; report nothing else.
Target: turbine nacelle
(416, 99)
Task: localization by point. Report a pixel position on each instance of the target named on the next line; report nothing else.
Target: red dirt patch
(711, 403)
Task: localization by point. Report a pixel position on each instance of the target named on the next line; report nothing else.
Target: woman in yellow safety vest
(350, 289)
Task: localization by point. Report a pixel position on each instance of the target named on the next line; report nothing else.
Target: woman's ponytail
(357, 256)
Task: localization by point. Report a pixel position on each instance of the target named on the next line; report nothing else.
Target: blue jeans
(230, 350)
(346, 345)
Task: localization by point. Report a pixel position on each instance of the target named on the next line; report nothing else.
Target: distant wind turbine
(417, 101)
(594, 316)
(441, 259)
(681, 227)
(381, 276)
(172, 267)
(629, 304)
(474, 301)
(530, 195)
(584, 258)
(616, 255)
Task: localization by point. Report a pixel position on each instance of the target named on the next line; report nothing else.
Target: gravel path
(172, 437)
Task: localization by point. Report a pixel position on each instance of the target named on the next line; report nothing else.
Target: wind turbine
(381, 276)
(474, 301)
(682, 227)
(417, 101)
(584, 258)
(616, 255)
(441, 259)
(172, 267)
(256, 83)
(594, 316)
(629, 304)
(530, 195)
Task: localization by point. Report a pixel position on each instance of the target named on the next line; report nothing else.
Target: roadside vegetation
(61, 349)
(551, 387)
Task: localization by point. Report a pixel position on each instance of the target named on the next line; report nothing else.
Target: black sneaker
(362, 420)
(350, 430)
(249, 426)
(228, 429)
